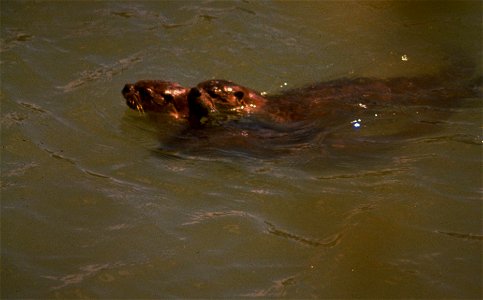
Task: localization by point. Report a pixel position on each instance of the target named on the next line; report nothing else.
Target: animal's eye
(168, 97)
(239, 95)
(146, 93)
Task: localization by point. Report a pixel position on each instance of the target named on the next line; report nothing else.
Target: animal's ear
(197, 103)
(193, 94)
(239, 95)
(197, 110)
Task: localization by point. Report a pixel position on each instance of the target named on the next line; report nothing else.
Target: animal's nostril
(127, 88)
(131, 104)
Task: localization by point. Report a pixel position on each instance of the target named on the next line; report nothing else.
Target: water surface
(100, 201)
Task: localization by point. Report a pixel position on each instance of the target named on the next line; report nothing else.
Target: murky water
(99, 201)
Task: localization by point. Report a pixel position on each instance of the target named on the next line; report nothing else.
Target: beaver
(157, 96)
(214, 99)
(348, 117)
(213, 102)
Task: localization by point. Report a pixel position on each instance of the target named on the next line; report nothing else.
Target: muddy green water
(95, 204)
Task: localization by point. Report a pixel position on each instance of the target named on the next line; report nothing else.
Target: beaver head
(228, 96)
(157, 96)
(216, 101)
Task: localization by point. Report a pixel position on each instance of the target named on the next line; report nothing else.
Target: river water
(99, 201)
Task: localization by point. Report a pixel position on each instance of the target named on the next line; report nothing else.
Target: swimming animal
(357, 116)
(214, 101)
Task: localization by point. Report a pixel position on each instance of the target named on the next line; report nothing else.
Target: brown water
(98, 201)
